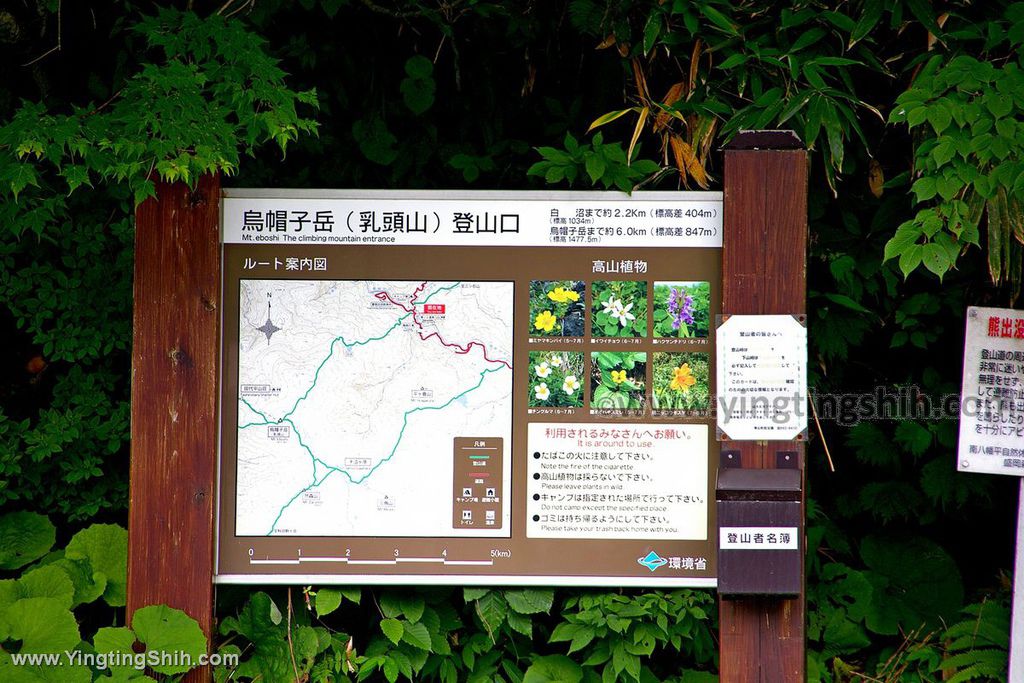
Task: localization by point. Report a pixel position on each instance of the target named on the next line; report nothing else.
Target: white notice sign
(617, 480)
(992, 395)
(762, 378)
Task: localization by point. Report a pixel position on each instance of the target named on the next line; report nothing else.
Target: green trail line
(394, 449)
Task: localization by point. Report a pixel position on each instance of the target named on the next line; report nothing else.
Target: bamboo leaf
(609, 117)
(636, 133)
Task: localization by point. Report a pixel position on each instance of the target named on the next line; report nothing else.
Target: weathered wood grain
(174, 402)
(764, 264)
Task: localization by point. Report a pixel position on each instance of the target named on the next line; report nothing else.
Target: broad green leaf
(42, 625)
(105, 546)
(936, 259)
(553, 669)
(327, 600)
(419, 66)
(924, 188)
(470, 594)
(24, 537)
(916, 582)
(913, 436)
(905, 238)
(492, 608)
(164, 629)
(416, 635)
(412, 607)
(530, 600)
(48, 581)
(595, 165)
(393, 629)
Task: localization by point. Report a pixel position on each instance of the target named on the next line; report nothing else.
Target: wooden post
(764, 270)
(174, 402)
(1017, 615)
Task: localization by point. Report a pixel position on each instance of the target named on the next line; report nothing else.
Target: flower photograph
(619, 309)
(680, 381)
(556, 379)
(617, 380)
(681, 309)
(556, 308)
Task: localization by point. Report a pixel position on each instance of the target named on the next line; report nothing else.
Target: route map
(351, 393)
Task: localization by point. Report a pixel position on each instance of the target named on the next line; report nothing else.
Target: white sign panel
(566, 219)
(762, 378)
(992, 395)
(617, 481)
(758, 538)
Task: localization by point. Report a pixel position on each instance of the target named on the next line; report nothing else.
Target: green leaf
(393, 629)
(418, 93)
(910, 259)
(492, 608)
(916, 582)
(470, 594)
(719, 19)
(924, 188)
(412, 607)
(846, 301)
(106, 548)
(595, 165)
(913, 436)
(416, 635)
(18, 176)
(651, 31)
(553, 669)
(869, 17)
(905, 238)
(48, 581)
(327, 600)
(24, 537)
(419, 66)
(167, 630)
(808, 38)
(936, 259)
(608, 118)
(43, 625)
(922, 11)
(530, 600)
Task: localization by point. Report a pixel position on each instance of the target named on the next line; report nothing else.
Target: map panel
(351, 394)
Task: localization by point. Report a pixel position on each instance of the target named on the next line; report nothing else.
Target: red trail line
(459, 349)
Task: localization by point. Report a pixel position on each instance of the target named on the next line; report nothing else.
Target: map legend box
(476, 483)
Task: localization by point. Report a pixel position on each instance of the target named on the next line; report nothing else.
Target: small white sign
(762, 378)
(992, 394)
(758, 538)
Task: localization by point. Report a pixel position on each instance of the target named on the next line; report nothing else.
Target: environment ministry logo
(652, 560)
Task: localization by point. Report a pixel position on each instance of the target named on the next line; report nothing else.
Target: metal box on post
(760, 531)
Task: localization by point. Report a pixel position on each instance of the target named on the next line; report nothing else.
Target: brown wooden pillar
(174, 402)
(764, 269)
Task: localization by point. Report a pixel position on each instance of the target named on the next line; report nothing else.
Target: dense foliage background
(912, 110)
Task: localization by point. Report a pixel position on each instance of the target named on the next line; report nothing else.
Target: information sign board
(468, 388)
(992, 395)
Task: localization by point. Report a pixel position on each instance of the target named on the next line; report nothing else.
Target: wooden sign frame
(176, 371)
